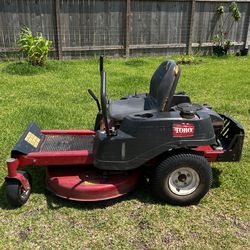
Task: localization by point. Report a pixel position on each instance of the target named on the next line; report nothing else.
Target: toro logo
(183, 130)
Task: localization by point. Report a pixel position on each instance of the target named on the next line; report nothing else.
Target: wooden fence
(80, 28)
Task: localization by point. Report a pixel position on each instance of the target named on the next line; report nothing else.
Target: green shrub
(185, 59)
(35, 48)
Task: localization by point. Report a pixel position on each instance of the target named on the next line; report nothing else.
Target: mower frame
(174, 134)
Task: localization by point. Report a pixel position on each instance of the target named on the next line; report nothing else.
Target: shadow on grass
(135, 63)
(142, 193)
(223, 57)
(25, 69)
(216, 177)
(130, 80)
(22, 68)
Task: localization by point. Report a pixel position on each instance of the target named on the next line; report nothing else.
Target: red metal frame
(56, 158)
(12, 165)
(209, 153)
(77, 157)
(68, 132)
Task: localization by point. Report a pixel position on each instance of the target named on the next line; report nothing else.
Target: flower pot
(219, 50)
(244, 52)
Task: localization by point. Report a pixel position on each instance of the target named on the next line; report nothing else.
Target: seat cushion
(130, 105)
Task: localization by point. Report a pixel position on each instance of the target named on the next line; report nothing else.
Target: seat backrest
(163, 84)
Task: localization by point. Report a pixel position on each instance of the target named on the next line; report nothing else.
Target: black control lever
(95, 98)
(101, 64)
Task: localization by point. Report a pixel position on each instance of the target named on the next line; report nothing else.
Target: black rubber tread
(13, 190)
(165, 168)
(27, 176)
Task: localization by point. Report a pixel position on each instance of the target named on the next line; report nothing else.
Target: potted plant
(244, 52)
(221, 42)
(219, 47)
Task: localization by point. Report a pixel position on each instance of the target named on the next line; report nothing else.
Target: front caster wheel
(15, 193)
(182, 179)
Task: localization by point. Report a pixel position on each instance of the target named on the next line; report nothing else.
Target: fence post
(247, 39)
(190, 35)
(58, 36)
(128, 27)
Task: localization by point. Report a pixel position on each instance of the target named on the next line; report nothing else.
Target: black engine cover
(143, 136)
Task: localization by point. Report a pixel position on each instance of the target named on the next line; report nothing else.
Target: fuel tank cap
(188, 110)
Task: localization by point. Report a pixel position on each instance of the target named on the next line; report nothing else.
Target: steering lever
(95, 98)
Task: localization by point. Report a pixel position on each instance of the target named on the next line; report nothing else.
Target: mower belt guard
(231, 138)
(29, 142)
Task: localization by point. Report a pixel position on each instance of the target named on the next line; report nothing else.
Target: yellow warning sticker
(91, 182)
(32, 139)
(176, 70)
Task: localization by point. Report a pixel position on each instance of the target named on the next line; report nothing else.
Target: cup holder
(145, 115)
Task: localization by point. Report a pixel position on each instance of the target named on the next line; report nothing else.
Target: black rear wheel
(182, 179)
(15, 193)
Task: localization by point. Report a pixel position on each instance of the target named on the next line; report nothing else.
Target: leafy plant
(221, 39)
(220, 9)
(186, 59)
(227, 44)
(35, 48)
(233, 8)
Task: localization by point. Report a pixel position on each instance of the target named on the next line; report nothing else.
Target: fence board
(205, 17)
(89, 27)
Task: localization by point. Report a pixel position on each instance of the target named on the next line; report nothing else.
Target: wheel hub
(24, 193)
(182, 177)
(183, 181)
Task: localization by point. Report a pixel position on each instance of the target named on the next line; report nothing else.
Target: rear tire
(15, 193)
(182, 179)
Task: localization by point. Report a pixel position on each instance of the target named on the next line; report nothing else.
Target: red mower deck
(85, 183)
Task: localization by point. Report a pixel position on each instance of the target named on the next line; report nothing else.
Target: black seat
(162, 87)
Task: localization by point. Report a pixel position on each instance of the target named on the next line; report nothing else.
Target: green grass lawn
(55, 97)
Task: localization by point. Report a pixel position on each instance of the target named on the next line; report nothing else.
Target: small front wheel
(15, 193)
(182, 179)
